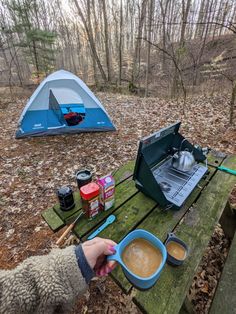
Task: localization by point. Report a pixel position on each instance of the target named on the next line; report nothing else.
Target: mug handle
(115, 256)
(170, 235)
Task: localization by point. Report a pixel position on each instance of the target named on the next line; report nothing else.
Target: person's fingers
(112, 264)
(92, 242)
(102, 247)
(98, 240)
(108, 241)
(106, 268)
(96, 249)
(100, 261)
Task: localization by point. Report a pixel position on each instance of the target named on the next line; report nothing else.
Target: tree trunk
(36, 61)
(199, 28)
(185, 12)
(136, 57)
(97, 40)
(232, 103)
(197, 72)
(106, 38)
(175, 81)
(164, 32)
(88, 29)
(217, 19)
(120, 43)
(151, 4)
(225, 12)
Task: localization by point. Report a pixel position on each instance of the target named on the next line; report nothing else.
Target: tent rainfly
(62, 103)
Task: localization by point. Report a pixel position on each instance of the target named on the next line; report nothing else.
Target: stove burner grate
(177, 185)
(165, 186)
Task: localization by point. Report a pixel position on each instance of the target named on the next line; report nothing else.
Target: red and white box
(107, 191)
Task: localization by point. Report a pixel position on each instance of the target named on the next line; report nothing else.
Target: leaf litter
(32, 169)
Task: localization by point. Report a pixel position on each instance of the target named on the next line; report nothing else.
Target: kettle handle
(181, 144)
(175, 156)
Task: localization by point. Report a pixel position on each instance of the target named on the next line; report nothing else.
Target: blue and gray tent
(62, 103)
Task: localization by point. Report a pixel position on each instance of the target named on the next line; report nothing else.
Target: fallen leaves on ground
(209, 271)
(31, 169)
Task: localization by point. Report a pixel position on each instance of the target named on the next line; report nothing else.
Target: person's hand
(96, 251)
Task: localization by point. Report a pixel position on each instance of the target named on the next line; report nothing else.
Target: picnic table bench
(194, 223)
(224, 299)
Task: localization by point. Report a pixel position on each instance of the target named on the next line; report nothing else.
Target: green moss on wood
(123, 173)
(160, 222)
(124, 191)
(52, 219)
(195, 229)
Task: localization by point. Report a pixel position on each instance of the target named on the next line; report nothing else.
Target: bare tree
(164, 10)
(101, 41)
(120, 42)
(106, 37)
(150, 15)
(88, 28)
(136, 58)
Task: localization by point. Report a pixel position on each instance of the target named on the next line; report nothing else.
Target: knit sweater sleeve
(42, 284)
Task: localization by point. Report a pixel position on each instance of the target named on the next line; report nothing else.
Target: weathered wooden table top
(194, 223)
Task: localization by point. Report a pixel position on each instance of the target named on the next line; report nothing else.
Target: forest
(145, 47)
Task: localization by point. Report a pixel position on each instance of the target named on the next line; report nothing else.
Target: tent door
(55, 115)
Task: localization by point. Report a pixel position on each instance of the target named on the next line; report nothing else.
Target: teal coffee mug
(141, 283)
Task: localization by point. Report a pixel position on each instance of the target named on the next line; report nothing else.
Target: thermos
(83, 177)
(66, 199)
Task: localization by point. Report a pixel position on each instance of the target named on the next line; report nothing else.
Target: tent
(62, 103)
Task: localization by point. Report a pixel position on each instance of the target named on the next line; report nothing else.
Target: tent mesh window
(54, 105)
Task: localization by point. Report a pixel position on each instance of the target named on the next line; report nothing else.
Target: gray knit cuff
(84, 266)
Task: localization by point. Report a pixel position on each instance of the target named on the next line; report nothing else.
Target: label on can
(93, 208)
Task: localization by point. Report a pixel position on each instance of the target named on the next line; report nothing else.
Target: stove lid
(156, 147)
(163, 134)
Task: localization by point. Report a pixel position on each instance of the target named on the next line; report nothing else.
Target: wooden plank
(215, 158)
(228, 221)
(123, 193)
(120, 175)
(196, 229)
(124, 172)
(52, 219)
(128, 216)
(161, 222)
(224, 299)
(66, 215)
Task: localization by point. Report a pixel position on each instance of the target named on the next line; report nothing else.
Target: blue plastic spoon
(108, 221)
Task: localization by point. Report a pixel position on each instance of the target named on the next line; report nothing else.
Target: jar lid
(83, 175)
(89, 190)
(64, 190)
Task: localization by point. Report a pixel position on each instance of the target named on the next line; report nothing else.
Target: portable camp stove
(177, 185)
(154, 174)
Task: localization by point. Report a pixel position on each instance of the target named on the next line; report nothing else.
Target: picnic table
(194, 223)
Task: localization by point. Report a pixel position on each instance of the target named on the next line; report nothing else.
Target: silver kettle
(183, 160)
